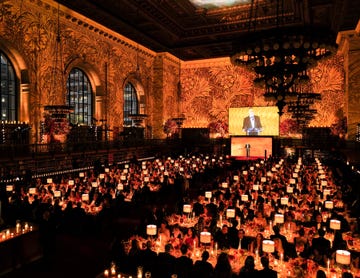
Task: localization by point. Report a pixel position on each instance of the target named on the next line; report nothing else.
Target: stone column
(157, 97)
(349, 47)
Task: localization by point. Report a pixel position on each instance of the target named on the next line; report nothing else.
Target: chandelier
(282, 58)
(282, 55)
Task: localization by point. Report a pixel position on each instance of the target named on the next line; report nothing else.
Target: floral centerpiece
(218, 129)
(171, 128)
(55, 129)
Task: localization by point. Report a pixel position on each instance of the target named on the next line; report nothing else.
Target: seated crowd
(304, 234)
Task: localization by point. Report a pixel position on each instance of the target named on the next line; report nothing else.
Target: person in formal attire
(222, 238)
(183, 264)
(320, 247)
(252, 124)
(248, 270)
(202, 268)
(223, 267)
(241, 241)
(266, 271)
(148, 258)
(165, 266)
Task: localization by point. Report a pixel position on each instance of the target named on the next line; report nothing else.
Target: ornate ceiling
(192, 32)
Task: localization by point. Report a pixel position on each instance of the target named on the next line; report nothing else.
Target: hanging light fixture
(281, 58)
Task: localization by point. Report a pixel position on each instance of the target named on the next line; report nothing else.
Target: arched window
(130, 104)
(7, 90)
(79, 97)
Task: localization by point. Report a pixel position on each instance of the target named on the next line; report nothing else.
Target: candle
(216, 247)
(106, 273)
(113, 271)
(328, 265)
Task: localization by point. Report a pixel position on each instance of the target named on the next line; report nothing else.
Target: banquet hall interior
(182, 139)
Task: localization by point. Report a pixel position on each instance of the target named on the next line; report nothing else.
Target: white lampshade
(279, 218)
(295, 175)
(123, 177)
(85, 197)
(120, 186)
(187, 208)
(329, 204)
(343, 257)
(245, 172)
(236, 178)
(94, 184)
(263, 179)
(9, 188)
(81, 174)
(151, 230)
(244, 197)
(324, 183)
(292, 181)
(57, 193)
(322, 177)
(32, 190)
(125, 171)
(289, 189)
(335, 224)
(224, 185)
(146, 179)
(230, 213)
(71, 182)
(273, 169)
(208, 194)
(321, 171)
(107, 170)
(205, 237)
(49, 180)
(255, 187)
(143, 167)
(268, 246)
(326, 192)
(251, 168)
(284, 200)
(126, 166)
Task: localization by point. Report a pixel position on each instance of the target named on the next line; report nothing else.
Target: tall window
(7, 90)
(130, 104)
(79, 97)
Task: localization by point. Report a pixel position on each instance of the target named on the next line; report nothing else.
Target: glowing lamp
(230, 213)
(329, 204)
(255, 187)
(208, 194)
(224, 185)
(85, 197)
(205, 237)
(151, 230)
(343, 257)
(289, 189)
(279, 218)
(244, 198)
(187, 208)
(284, 201)
(49, 180)
(335, 224)
(268, 246)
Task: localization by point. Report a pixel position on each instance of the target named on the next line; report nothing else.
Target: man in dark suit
(320, 246)
(241, 241)
(183, 264)
(266, 271)
(148, 258)
(165, 262)
(252, 124)
(202, 268)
